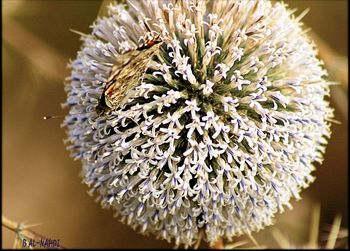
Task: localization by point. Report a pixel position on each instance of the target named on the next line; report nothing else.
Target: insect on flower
(125, 75)
(209, 127)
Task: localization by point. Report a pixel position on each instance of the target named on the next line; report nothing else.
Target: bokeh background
(41, 182)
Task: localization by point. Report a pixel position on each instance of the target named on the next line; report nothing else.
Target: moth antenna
(61, 116)
(52, 117)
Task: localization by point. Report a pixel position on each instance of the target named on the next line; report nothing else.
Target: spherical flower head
(221, 129)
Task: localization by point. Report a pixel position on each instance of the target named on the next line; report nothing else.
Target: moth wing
(121, 62)
(132, 74)
(126, 74)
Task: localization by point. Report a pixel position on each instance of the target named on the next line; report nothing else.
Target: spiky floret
(221, 131)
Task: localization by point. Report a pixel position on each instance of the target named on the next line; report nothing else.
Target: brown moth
(125, 75)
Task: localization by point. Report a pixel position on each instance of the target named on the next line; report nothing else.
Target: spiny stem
(333, 235)
(22, 230)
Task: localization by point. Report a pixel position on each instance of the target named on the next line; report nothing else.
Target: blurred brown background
(40, 180)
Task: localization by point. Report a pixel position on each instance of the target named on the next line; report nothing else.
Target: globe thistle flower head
(216, 132)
